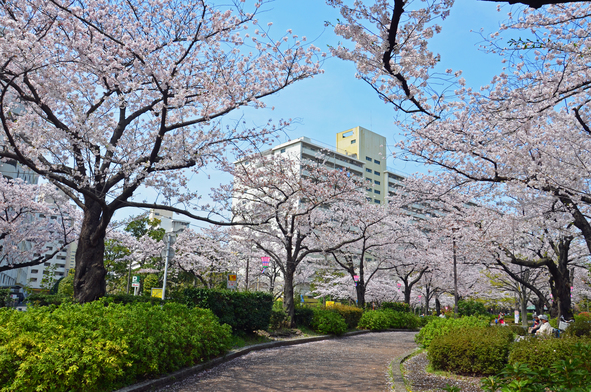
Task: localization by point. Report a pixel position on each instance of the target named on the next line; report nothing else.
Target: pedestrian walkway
(354, 363)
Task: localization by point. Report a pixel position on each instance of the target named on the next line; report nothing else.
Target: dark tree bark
(559, 276)
(89, 278)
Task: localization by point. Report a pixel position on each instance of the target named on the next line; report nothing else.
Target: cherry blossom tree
(302, 208)
(139, 243)
(33, 219)
(205, 255)
(527, 131)
(102, 97)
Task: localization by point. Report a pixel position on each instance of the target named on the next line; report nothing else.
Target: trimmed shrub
(132, 299)
(100, 346)
(580, 327)
(374, 320)
(351, 314)
(542, 353)
(403, 320)
(425, 320)
(471, 351)
(377, 320)
(471, 308)
(66, 285)
(571, 374)
(396, 306)
(518, 330)
(303, 316)
(243, 311)
(328, 322)
(439, 326)
(278, 319)
(48, 299)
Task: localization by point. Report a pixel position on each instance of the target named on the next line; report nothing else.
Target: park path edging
(397, 378)
(149, 385)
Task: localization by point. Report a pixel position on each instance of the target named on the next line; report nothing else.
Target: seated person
(546, 329)
(535, 326)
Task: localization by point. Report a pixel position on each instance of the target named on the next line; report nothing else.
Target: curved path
(354, 363)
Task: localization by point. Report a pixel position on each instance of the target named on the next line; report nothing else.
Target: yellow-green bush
(328, 322)
(441, 326)
(100, 346)
(471, 350)
(351, 314)
(377, 320)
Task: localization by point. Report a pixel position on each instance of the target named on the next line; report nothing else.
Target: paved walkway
(355, 363)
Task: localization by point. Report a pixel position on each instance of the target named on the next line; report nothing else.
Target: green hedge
(303, 316)
(540, 353)
(538, 365)
(278, 319)
(328, 322)
(396, 306)
(350, 314)
(377, 320)
(471, 350)
(580, 327)
(100, 346)
(243, 311)
(440, 326)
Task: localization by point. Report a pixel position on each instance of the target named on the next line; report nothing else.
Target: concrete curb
(150, 385)
(397, 381)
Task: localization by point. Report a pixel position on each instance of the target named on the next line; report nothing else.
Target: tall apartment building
(361, 152)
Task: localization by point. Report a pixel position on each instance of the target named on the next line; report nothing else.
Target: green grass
(243, 340)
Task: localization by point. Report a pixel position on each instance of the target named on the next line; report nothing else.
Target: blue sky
(336, 100)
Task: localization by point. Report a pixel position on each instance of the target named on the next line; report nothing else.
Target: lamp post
(453, 238)
(168, 243)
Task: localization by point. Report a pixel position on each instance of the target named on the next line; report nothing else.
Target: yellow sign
(232, 277)
(329, 303)
(157, 293)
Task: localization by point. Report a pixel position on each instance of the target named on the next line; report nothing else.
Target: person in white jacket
(546, 329)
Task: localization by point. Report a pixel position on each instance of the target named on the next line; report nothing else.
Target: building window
(282, 150)
(368, 170)
(47, 264)
(377, 173)
(377, 182)
(368, 159)
(368, 198)
(377, 201)
(376, 191)
(353, 141)
(368, 189)
(34, 271)
(376, 161)
(33, 280)
(368, 179)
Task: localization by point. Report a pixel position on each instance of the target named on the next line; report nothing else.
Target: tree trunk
(89, 278)
(288, 303)
(407, 292)
(523, 307)
(427, 297)
(560, 277)
(360, 289)
(437, 306)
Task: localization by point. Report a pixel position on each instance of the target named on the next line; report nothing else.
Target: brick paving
(354, 363)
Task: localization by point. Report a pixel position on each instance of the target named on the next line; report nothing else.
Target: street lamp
(453, 238)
